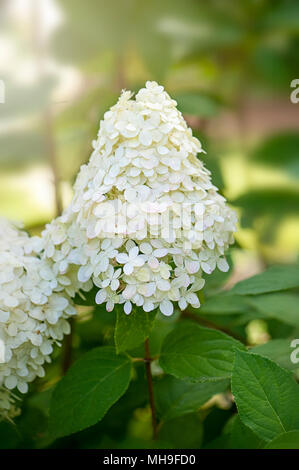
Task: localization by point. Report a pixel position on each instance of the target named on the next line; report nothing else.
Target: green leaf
(10, 437)
(221, 442)
(161, 328)
(287, 440)
(91, 386)
(223, 304)
(190, 438)
(279, 351)
(215, 423)
(175, 397)
(241, 437)
(131, 330)
(266, 395)
(276, 278)
(198, 354)
(282, 306)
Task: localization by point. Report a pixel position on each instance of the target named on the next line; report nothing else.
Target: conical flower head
(33, 312)
(145, 221)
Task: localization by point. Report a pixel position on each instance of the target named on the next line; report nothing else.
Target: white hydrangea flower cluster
(145, 221)
(33, 313)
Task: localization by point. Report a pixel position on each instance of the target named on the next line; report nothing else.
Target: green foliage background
(222, 373)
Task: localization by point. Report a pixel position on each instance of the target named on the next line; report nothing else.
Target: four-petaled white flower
(130, 260)
(111, 278)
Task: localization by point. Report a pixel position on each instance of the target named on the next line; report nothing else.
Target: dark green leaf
(91, 386)
(175, 397)
(10, 437)
(184, 432)
(221, 442)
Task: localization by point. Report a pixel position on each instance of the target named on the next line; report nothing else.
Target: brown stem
(147, 360)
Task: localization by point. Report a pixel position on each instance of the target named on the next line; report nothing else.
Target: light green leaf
(279, 351)
(175, 397)
(287, 440)
(91, 386)
(282, 306)
(266, 395)
(276, 278)
(198, 354)
(131, 330)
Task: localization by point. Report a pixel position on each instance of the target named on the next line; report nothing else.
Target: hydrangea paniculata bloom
(145, 221)
(33, 313)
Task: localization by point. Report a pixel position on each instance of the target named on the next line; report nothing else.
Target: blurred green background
(228, 64)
